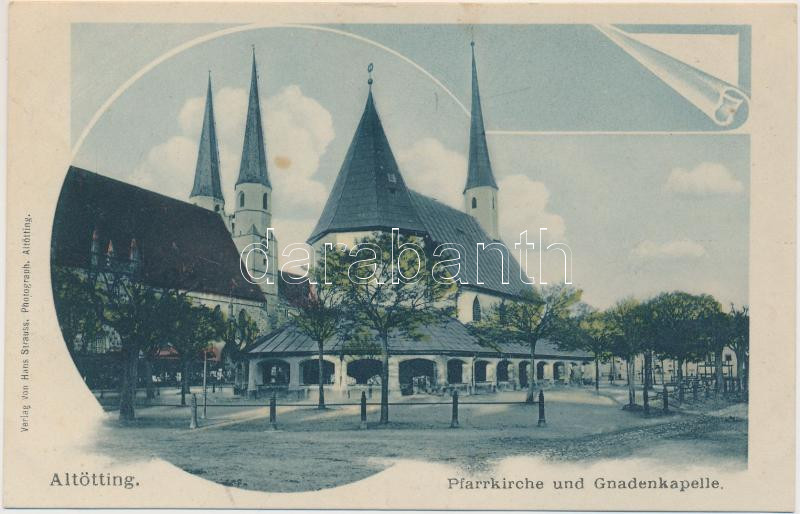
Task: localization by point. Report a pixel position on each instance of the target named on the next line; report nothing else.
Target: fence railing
(454, 403)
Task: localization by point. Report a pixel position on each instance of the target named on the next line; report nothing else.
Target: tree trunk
(385, 382)
(740, 372)
(321, 403)
(148, 379)
(631, 382)
(648, 363)
(680, 380)
(530, 398)
(718, 369)
(185, 380)
(127, 395)
(596, 373)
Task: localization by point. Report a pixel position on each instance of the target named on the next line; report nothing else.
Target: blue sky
(641, 212)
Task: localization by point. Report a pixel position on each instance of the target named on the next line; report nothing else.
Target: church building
(370, 195)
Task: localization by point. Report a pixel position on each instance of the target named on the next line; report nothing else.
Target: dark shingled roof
(450, 337)
(369, 192)
(444, 224)
(206, 174)
(479, 169)
(253, 168)
(181, 245)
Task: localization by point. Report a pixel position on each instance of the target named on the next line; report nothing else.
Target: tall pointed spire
(369, 192)
(206, 174)
(479, 169)
(253, 168)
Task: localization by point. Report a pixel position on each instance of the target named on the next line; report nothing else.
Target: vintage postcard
(401, 256)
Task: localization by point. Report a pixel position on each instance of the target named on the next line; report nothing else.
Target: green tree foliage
(740, 341)
(386, 292)
(76, 307)
(318, 314)
(540, 313)
(192, 328)
(591, 331)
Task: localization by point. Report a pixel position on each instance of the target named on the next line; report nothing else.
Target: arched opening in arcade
(503, 374)
(480, 371)
(540, 370)
(309, 372)
(417, 375)
(364, 372)
(274, 372)
(523, 373)
(559, 372)
(455, 371)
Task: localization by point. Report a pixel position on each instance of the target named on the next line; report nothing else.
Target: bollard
(541, 422)
(363, 410)
(665, 398)
(193, 422)
(273, 415)
(694, 390)
(454, 420)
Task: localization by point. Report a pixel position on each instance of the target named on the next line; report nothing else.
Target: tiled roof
(369, 192)
(206, 175)
(479, 168)
(450, 337)
(181, 245)
(447, 225)
(253, 167)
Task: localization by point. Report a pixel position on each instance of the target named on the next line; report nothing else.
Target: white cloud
(670, 249)
(168, 168)
(432, 169)
(705, 178)
(298, 130)
(524, 206)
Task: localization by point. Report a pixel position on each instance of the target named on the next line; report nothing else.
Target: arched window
(241, 199)
(476, 309)
(474, 203)
(216, 208)
(264, 203)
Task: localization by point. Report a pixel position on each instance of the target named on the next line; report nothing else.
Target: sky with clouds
(642, 212)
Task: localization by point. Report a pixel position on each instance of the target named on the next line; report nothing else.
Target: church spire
(253, 168)
(479, 170)
(206, 174)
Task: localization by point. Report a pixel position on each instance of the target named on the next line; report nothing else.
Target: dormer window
(392, 178)
(474, 203)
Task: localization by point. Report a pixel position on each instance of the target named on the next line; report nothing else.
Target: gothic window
(493, 203)
(216, 208)
(476, 309)
(233, 226)
(264, 203)
(474, 203)
(241, 199)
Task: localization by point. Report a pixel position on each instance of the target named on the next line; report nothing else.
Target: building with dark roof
(370, 195)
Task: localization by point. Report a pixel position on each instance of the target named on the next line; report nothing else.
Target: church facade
(370, 195)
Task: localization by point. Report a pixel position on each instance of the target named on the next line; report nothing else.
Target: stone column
(394, 376)
(339, 376)
(252, 387)
(294, 373)
(441, 371)
(491, 371)
(466, 371)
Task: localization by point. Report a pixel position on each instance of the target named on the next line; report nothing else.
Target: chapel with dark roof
(369, 195)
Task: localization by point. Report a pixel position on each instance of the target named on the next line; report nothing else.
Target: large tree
(628, 337)
(135, 311)
(740, 342)
(591, 331)
(193, 329)
(680, 326)
(387, 292)
(318, 314)
(535, 314)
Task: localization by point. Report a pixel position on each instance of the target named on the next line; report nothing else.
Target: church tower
(253, 197)
(480, 192)
(207, 192)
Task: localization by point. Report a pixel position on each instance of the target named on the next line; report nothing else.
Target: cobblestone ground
(235, 446)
